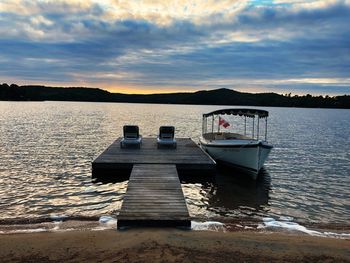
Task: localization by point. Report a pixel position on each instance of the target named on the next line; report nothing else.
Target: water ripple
(46, 149)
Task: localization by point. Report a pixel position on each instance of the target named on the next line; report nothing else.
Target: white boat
(245, 149)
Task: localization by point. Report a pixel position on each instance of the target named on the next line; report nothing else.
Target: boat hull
(246, 155)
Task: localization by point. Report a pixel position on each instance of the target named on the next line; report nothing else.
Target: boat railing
(225, 136)
(257, 117)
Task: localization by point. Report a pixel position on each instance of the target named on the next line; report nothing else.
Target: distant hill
(212, 97)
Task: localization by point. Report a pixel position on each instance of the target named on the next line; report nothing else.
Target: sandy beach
(170, 245)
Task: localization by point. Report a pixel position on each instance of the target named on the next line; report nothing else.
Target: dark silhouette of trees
(212, 97)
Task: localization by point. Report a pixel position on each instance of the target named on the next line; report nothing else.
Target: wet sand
(170, 245)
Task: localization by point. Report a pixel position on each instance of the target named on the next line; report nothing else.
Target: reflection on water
(236, 191)
(230, 193)
(46, 150)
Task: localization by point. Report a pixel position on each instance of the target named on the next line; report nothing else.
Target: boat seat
(219, 136)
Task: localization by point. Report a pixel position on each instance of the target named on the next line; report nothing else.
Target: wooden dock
(154, 198)
(188, 157)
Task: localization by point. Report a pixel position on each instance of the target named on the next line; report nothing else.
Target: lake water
(46, 150)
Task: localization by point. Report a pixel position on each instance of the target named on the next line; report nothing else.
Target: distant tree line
(14, 92)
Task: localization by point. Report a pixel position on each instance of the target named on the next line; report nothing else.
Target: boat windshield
(252, 123)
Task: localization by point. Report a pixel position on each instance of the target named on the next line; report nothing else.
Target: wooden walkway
(154, 198)
(188, 158)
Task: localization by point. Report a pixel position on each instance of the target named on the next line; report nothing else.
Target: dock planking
(154, 197)
(188, 158)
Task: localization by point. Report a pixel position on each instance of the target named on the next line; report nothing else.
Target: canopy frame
(245, 112)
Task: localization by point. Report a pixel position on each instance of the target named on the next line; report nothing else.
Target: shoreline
(170, 245)
(64, 224)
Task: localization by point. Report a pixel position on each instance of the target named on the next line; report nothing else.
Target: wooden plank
(154, 197)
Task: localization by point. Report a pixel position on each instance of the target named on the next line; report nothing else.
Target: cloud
(183, 44)
(311, 4)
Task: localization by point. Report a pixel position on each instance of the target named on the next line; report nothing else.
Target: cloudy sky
(153, 46)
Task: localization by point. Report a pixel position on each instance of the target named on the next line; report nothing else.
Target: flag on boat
(223, 122)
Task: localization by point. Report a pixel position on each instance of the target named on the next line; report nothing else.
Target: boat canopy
(251, 113)
(214, 119)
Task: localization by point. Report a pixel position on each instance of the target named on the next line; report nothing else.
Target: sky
(154, 46)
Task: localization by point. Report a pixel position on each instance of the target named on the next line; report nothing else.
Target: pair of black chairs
(132, 137)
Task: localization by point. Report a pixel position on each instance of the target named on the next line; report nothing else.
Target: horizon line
(135, 91)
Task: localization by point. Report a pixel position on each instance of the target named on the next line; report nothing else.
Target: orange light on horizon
(126, 89)
(146, 90)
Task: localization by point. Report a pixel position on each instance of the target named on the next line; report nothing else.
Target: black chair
(132, 137)
(166, 137)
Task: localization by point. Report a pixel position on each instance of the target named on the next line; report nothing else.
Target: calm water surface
(46, 149)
